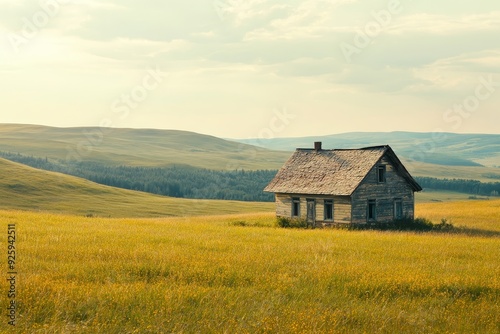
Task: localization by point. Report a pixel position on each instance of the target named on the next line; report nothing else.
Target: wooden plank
(341, 207)
(395, 186)
(283, 205)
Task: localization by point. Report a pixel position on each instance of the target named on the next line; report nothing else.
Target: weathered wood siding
(341, 207)
(394, 187)
(284, 205)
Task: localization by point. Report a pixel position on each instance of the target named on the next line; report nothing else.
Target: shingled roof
(332, 172)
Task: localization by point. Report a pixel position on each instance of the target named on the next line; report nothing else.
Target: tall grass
(239, 274)
(473, 214)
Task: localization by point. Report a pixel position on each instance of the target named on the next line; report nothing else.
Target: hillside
(136, 147)
(450, 149)
(480, 173)
(461, 156)
(26, 188)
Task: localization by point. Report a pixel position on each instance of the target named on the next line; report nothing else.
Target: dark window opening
(372, 210)
(398, 208)
(295, 207)
(328, 210)
(381, 174)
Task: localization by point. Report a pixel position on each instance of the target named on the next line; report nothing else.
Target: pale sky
(253, 68)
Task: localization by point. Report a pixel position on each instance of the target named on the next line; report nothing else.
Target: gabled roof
(332, 172)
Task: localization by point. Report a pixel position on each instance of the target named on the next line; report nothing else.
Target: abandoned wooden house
(344, 186)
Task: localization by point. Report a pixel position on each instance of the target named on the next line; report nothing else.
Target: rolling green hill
(480, 173)
(424, 154)
(136, 147)
(26, 188)
(449, 149)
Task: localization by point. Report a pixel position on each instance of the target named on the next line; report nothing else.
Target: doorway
(311, 213)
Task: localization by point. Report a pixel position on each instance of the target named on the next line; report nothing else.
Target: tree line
(472, 187)
(175, 181)
(192, 182)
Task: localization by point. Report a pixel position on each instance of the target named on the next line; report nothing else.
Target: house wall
(341, 207)
(385, 193)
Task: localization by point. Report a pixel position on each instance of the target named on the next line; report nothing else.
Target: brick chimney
(317, 146)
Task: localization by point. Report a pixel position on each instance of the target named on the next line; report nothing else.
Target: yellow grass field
(484, 215)
(240, 274)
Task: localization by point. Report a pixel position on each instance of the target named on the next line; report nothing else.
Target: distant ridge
(136, 147)
(446, 155)
(450, 149)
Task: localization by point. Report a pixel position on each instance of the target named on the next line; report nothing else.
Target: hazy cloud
(228, 60)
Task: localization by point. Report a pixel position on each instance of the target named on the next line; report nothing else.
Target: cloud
(309, 19)
(237, 58)
(137, 50)
(459, 73)
(445, 24)
(240, 12)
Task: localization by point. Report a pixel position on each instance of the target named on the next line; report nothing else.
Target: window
(295, 207)
(398, 208)
(372, 210)
(328, 209)
(381, 174)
